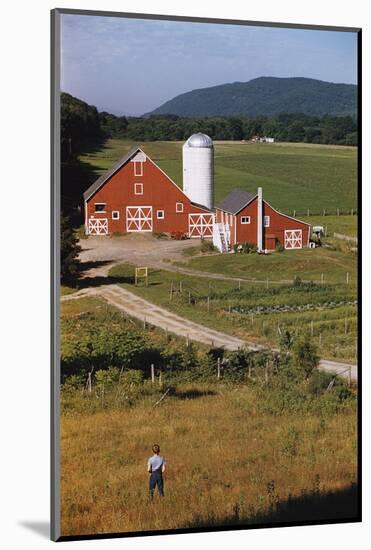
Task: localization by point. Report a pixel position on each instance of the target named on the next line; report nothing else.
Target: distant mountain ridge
(265, 96)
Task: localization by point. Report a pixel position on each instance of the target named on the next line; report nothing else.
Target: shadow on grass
(193, 393)
(341, 505)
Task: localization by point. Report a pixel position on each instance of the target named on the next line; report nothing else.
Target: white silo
(198, 169)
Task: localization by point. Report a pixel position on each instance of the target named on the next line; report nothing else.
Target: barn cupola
(198, 169)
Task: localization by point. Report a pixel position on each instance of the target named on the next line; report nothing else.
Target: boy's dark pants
(156, 479)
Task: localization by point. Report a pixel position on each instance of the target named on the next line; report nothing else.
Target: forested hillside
(266, 96)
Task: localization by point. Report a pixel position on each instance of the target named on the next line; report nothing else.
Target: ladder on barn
(221, 237)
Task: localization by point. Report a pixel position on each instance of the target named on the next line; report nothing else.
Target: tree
(69, 252)
(305, 356)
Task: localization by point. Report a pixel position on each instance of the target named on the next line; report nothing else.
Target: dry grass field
(228, 461)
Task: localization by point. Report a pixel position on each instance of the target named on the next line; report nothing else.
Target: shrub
(305, 356)
(178, 235)
(207, 246)
(279, 247)
(246, 248)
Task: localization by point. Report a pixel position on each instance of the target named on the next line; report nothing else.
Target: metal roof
(104, 177)
(200, 140)
(235, 201)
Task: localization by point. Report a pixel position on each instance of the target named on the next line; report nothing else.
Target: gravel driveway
(101, 253)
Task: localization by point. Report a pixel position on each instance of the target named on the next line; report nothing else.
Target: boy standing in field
(156, 467)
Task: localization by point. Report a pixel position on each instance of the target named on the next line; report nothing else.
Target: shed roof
(104, 177)
(236, 200)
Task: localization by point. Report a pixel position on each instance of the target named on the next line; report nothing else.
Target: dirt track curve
(145, 311)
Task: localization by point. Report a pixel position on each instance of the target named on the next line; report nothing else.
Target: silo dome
(198, 169)
(200, 140)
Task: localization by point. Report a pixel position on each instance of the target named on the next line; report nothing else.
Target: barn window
(138, 188)
(160, 214)
(245, 219)
(115, 215)
(100, 206)
(138, 168)
(179, 207)
(267, 221)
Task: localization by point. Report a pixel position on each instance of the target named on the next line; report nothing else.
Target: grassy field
(228, 462)
(293, 176)
(236, 452)
(307, 264)
(258, 311)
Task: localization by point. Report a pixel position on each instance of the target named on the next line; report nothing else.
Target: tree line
(82, 125)
(293, 127)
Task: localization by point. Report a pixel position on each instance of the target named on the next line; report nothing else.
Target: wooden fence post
(266, 372)
(267, 282)
(189, 298)
(208, 304)
(347, 278)
(144, 323)
(171, 291)
(349, 376)
(187, 340)
(152, 373)
(311, 328)
(338, 212)
(160, 379)
(322, 279)
(229, 311)
(239, 284)
(218, 369)
(308, 212)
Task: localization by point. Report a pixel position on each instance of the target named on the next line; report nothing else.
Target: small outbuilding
(245, 217)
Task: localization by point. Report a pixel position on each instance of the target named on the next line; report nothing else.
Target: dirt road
(145, 311)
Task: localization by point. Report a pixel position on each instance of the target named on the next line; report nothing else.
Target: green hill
(266, 96)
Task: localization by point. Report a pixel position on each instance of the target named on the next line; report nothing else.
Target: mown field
(293, 176)
(247, 451)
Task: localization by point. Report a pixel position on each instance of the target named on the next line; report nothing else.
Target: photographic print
(206, 195)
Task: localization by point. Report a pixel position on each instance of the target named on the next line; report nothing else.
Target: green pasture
(227, 306)
(293, 176)
(319, 265)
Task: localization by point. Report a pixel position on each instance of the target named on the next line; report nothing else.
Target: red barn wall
(158, 191)
(241, 233)
(279, 223)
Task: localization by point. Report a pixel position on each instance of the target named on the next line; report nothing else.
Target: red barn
(244, 217)
(135, 195)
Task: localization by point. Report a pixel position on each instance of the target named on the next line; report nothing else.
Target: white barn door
(200, 225)
(138, 218)
(293, 239)
(98, 226)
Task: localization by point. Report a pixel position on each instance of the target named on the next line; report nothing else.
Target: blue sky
(131, 66)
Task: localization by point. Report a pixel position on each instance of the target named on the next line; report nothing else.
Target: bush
(207, 246)
(246, 248)
(178, 235)
(305, 356)
(279, 247)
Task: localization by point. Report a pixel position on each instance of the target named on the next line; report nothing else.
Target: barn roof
(235, 201)
(104, 177)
